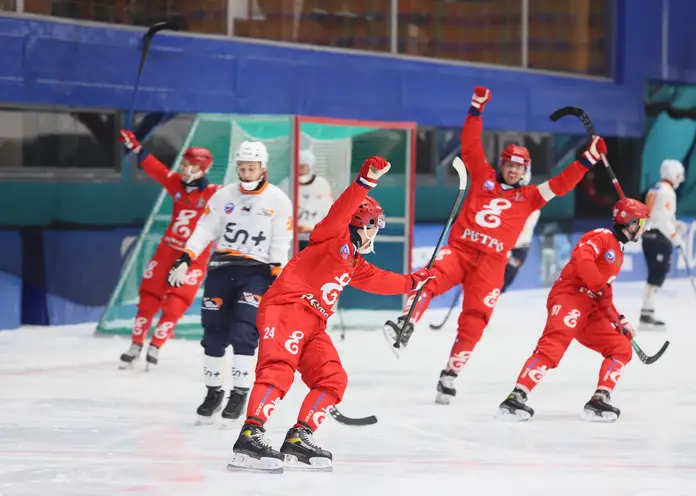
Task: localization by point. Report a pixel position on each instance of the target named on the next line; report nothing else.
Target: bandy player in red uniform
(580, 307)
(487, 228)
(190, 192)
(292, 324)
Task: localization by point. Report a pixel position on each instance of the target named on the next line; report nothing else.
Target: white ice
(72, 424)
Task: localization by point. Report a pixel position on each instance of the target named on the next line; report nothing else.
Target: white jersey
(314, 201)
(247, 226)
(525, 239)
(661, 201)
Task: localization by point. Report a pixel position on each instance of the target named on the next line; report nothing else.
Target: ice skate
(648, 322)
(130, 356)
(391, 330)
(515, 407)
(598, 408)
(253, 452)
(235, 406)
(210, 406)
(302, 453)
(445, 387)
(152, 357)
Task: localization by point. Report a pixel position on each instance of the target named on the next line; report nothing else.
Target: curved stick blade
(459, 166)
(564, 111)
(160, 26)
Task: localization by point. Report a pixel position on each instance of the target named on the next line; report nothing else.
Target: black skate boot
(302, 452)
(130, 356)
(152, 357)
(210, 406)
(252, 452)
(235, 406)
(598, 408)
(648, 322)
(515, 407)
(445, 387)
(391, 329)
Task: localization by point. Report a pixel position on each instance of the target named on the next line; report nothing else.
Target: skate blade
(227, 423)
(605, 417)
(150, 367)
(651, 327)
(201, 420)
(390, 336)
(316, 464)
(126, 365)
(245, 463)
(508, 416)
(443, 399)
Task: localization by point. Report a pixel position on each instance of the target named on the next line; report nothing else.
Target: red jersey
(189, 203)
(594, 264)
(317, 275)
(494, 214)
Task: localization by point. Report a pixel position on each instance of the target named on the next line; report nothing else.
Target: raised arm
(336, 221)
(571, 175)
(153, 167)
(472, 148)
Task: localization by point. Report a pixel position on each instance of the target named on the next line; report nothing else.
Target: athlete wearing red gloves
(580, 307)
(494, 213)
(292, 321)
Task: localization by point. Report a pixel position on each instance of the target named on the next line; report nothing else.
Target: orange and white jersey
(252, 225)
(661, 200)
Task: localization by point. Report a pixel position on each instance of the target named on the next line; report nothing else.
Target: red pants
(576, 316)
(156, 294)
(294, 338)
(481, 276)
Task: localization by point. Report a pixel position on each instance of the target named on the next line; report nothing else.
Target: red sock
(609, 374)
(533, 371)
(262, 401)
(459, 355)
(147, 308)
(315, 408)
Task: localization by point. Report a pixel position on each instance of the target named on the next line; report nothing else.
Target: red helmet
(628, 212)
(368, 214)
(199, 156)
(516, 154)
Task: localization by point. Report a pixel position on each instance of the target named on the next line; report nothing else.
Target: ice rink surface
(72, 424)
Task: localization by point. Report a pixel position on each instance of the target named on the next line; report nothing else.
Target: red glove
(594, 152)
(481, 97)
(624, 327)
(372, 169)
(420, 277)
(130, 141)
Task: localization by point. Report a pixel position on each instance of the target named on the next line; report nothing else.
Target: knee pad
(215, 340)
(470, 326)
(149, 303)
(623, 351)
(333, 379)
(244, 338)
(174, 307)
(280, 375)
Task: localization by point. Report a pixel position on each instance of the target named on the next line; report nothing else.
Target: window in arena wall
(42, 142)
(167, 139)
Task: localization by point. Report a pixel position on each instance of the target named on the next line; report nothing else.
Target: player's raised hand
(420, 277)
(594, 152)
(372, 169)
(177, 274)
(482, 96)
(130, 141)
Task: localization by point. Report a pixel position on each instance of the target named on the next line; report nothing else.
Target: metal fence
(573, 36)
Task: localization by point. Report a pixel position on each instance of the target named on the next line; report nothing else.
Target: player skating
(487, 227)
(580, 306)
(190, 191)
(665, 233)
(292, 319)
(251, 223)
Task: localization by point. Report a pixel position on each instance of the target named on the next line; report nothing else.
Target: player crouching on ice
(292, 321)
(251, 223)
(190, 192)
(580, 306)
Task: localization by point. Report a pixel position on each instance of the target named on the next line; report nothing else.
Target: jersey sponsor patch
(345, 251)
(229, 208)
(488, 185)
(610, 256)
(250, 299)
(211, 303)
(177, 196)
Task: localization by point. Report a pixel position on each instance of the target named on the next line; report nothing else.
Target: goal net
(340, 147)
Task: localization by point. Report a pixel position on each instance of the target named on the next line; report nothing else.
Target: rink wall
(66, 277)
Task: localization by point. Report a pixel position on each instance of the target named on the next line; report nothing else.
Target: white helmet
(527, 178)
(252, 151)
(307, 158)
(672, 171)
